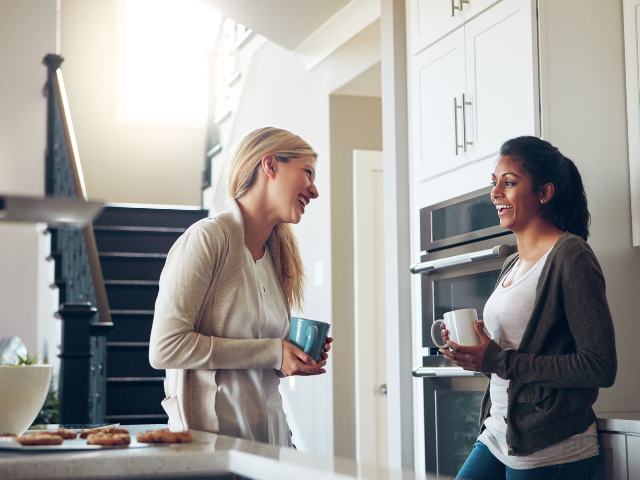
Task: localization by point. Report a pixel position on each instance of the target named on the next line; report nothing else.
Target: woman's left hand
(327, 347)
(469, 358)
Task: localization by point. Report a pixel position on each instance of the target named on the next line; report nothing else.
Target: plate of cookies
(90, 439)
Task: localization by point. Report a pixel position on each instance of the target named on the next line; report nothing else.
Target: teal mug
(309, 336)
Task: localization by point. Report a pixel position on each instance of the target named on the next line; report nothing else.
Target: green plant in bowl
(27, 359)
(24, 386)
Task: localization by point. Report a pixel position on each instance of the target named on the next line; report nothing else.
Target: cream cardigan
(198, 286)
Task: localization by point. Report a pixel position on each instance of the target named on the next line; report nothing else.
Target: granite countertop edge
(630, 426)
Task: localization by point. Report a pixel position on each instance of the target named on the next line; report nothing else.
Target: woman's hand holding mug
(296, 362)
(467, 340)
(469, 358)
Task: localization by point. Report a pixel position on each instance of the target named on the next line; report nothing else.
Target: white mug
(460, 326)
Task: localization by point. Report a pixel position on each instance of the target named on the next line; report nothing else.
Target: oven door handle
(421, 372)
(425, 268)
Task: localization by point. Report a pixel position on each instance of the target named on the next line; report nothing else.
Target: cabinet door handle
(464, 125)
(454, 7)
(455, 122)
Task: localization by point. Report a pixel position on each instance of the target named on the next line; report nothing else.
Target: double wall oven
(463, 250)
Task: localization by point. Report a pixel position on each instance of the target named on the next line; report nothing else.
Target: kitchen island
(208, 456)
(221, 457)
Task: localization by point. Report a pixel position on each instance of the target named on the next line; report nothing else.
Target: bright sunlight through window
(163, 64)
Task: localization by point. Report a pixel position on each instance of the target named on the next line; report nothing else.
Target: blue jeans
(482, 465)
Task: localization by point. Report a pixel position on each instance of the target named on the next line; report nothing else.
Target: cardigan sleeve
(582, 301)
(185, 280)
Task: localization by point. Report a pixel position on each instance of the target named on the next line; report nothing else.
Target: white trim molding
(335, 32)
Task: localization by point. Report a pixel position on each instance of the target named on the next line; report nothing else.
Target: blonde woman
(222, 315)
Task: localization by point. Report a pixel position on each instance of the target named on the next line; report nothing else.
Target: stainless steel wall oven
(463, 250)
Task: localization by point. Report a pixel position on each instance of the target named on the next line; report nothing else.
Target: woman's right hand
(296, 362)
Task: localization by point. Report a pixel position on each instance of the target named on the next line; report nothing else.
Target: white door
(437, 85)
(370, 325)
(501, 71)
(431, 20)
(632, 67)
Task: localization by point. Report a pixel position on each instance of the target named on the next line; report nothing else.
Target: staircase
(133, 242)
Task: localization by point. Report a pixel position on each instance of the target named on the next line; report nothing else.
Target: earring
(541, 201)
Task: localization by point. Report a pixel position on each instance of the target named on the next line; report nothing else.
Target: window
(162, 61)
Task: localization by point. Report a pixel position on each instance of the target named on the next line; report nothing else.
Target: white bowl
(23, 390)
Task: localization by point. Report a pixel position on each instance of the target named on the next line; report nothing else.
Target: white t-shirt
(506, 316)
(248, 403)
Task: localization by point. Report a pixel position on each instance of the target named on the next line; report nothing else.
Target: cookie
(40, 439)
(108, 439)
(164, 436)
(62, 432)
(86, 433)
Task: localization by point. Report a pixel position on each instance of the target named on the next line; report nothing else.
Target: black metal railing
(83, 295)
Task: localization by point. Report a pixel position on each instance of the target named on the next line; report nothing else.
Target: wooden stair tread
(132, 255)
(133, 228)
(132, 312)
(134, 379)
(158, 415)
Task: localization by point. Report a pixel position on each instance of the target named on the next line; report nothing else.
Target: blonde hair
(243, 171)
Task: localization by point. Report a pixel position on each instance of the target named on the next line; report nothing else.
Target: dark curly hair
(543, 163)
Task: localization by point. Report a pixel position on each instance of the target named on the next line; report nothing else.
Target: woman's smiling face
(518, 205)
(295, 188)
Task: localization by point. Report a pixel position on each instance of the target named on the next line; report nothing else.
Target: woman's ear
(546, 192)
(269, 165)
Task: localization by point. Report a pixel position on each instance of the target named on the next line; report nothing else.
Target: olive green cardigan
(566, 354)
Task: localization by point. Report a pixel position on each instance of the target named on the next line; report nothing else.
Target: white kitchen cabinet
(613, 457)
(633, 456)
(632, 66)
(439, 81)
(433, 19)
(474, 89)
(501, 77)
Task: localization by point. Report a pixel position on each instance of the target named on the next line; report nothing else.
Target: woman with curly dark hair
(551, 345)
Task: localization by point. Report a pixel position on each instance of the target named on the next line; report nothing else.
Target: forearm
(191, 350)
(580, 369)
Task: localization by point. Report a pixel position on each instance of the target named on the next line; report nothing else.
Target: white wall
(584, 115)
(27, 34)
(121, 162)
(278, 91)
(355, 123)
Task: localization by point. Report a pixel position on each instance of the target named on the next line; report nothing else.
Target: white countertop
(624, 423)
(217, 454)
(210, 454)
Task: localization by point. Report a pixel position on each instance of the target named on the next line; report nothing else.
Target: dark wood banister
(57, 90)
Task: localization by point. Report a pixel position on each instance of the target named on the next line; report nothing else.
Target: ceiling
(286, 22)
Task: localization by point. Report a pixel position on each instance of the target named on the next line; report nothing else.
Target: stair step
(150, 215)
(129, 359)
(138, 419)
(132, 255)
(131, 241)
(140, 397)
(132, 266)
(119, 228)
(131, 327)
(130, 296)
(131, 312)
(135, 379)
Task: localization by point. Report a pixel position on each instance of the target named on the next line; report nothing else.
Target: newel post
(80, 385)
